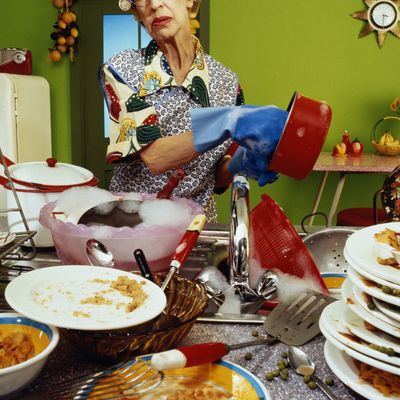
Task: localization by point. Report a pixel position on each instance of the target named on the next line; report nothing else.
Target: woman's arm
(168, 152)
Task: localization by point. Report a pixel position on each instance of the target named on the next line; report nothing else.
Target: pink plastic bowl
(157, 242)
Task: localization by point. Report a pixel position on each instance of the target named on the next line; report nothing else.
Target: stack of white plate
(364, 316)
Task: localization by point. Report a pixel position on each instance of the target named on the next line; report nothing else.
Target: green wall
(28, 24)
(276, 47)
(310, 46)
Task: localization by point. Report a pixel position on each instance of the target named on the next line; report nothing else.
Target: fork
(127, 378)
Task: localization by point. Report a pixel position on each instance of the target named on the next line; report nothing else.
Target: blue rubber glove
(252, 164)
(249, 126)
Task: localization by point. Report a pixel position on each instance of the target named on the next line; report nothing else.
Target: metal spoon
(302, 364)
(98, 254)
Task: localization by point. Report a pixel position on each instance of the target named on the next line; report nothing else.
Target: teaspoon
(303, 365)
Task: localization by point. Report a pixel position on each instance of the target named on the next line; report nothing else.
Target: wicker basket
(384, 149)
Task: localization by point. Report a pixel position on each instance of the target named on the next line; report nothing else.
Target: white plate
(374, 291)
(53, 295)
(356, 326)
(344, 368)
(350, 300)
(359, 356)
(360, 297)
(368, 275)
(389, 309)
(360, 247)
(330, 321)
(6, 238)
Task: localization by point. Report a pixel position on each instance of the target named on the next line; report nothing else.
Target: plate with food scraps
(350, 300)
(348, 371)
(331, 321)
(219, 380)
(360, 356)
(389, 309)
(370, 276)
(85, 297)
(382, 292)
(362, 247)
(6, 238)
(358, 327)
(367, 302)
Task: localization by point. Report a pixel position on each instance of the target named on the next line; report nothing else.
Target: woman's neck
(180, 55)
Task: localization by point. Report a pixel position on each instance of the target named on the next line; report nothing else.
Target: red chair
(390, 199)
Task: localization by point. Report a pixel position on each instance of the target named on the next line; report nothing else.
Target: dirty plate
(360, 247)
(364, 299)
(344, 368)
(330, 321)
(350, 300)
(6, 238)
(390, 310)
(81, 297)
(230, 378)
(360, 356)
(371, 287)
(358, 327)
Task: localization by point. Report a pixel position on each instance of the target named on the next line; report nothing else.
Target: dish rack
(16, 251)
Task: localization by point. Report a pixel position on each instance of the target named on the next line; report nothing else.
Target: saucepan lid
(48, 176)
(302, 138)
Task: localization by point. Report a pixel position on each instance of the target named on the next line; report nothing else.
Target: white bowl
(385, 251)
(45, 338)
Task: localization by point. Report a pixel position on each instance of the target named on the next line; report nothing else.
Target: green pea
(284, 371)
(269, 376)
(284, 377)
(386, 289)
(312, 385)
(371, 306)
(329, 381)
(284, 354)
(307, 378)
(254, 333)
(248, 356)
(396, 292)
(276, 372)
(286, 363)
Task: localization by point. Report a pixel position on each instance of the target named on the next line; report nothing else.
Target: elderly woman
(170, 106)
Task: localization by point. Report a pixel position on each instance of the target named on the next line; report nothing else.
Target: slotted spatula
(293, 323)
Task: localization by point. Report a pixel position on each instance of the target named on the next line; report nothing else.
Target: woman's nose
(154, 3)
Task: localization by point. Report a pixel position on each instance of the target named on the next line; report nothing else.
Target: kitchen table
(366, 163)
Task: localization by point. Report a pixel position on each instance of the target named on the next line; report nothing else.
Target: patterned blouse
(145, 103)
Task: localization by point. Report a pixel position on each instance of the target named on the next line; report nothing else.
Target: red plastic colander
(276, 245)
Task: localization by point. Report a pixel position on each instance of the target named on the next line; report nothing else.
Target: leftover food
(15, 348)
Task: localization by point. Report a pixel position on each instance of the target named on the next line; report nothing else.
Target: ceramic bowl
(44, 338)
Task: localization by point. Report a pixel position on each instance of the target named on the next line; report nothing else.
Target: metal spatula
(293, 323)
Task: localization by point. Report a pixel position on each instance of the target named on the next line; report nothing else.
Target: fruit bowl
(386, 145)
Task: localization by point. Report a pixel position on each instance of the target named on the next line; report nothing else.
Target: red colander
(276, 245)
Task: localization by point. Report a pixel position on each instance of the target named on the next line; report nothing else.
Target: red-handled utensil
(185, 246)
(293, 323)
(172, 183)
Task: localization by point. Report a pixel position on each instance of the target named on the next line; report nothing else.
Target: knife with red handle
(185, 246)
(172, 183)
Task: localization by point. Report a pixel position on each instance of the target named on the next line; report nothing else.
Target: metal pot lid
(50, 172)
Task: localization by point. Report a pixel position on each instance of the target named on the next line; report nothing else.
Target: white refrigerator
(25, 120)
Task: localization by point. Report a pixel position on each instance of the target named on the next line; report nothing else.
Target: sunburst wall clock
(382, 16)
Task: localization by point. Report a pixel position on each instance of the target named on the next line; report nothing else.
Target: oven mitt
(249, 126)
(252, 164)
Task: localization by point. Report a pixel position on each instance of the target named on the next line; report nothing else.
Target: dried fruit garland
(66, 32)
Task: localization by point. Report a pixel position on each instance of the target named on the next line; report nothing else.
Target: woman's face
(164, 19)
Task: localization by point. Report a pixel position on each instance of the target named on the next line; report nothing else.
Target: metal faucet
(239, 250)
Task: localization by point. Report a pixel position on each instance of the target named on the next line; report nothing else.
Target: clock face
(383, 15)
